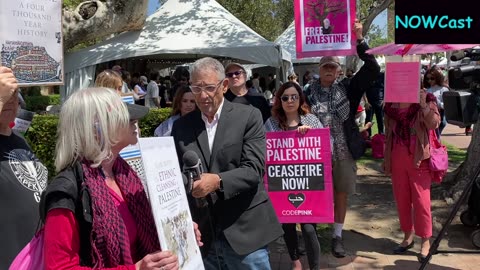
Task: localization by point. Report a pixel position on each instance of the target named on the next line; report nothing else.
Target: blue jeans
(222, 257)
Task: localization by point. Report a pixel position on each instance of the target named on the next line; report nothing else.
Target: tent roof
(288, 42)
(183, 29)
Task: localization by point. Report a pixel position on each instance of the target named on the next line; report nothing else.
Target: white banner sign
(169, 201)
(31, 40)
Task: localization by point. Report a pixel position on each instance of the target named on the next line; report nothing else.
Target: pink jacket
(423, 123)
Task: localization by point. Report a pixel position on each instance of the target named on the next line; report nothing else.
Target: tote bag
(438, 158)
(31, 256)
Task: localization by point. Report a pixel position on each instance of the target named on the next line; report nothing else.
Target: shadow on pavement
(411, 265)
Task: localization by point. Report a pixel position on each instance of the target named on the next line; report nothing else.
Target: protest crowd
(95, 213)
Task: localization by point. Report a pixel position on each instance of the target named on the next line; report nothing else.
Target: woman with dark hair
(437, 86)
(290, 112)
(408, 127)
(183, 103)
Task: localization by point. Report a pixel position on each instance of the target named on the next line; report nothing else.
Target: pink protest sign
(298, 176)
(402, 82)
(324, 27)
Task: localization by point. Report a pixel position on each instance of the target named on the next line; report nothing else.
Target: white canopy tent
(179, 29)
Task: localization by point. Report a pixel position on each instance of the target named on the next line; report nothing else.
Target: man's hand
(198, 234)
(206, 185)
(8, 85)
(358, 29)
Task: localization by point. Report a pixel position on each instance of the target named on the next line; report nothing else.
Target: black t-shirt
(22, 180)
(257, 100)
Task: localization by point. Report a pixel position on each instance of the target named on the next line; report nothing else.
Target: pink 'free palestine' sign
(402, 82)
(298, 175)
(324, 27)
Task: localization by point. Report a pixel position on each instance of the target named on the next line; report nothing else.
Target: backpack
(31, 257)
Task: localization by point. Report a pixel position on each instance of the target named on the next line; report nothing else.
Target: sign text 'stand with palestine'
(299, 175)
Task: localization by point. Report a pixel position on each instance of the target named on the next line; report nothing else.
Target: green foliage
(40, 103)
(41, 136)
(72, 3)
(376, 36)
(150, 122)
(266, 17)
(455, 155)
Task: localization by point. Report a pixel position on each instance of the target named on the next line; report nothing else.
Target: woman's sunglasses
(286, 98)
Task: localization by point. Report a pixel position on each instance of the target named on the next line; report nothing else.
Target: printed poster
(31, 40)
(402, 80)
(324, 27)
(169, 201)
(298, 175)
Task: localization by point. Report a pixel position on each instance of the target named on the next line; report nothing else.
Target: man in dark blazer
(229, 138)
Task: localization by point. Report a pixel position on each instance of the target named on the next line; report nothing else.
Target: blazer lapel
(221, 129)
(202, 140)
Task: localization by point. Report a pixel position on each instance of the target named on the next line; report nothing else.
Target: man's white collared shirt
(212, 127)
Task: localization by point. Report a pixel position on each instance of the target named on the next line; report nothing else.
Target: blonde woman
(94, 126)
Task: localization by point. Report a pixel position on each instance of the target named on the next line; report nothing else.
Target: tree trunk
(96, 19)
(459, 178)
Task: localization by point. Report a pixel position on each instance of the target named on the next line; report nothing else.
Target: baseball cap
(233, 64)
(332, 60)
(144, 79)
(137, 112)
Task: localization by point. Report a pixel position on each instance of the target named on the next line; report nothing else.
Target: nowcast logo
(432, 22)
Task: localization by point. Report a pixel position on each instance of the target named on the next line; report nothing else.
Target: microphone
(193, 169)
(473, 54)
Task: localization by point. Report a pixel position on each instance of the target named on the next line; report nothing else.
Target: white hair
(208, 63)
(90, 122)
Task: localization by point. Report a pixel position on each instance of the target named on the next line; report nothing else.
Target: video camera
(462, 104)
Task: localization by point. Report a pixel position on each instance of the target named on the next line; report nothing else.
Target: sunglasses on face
(430, 79)
(236, 73)
(286, 98)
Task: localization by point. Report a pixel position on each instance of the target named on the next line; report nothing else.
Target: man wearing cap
(229, 139)
(238, 91)
(335, 104)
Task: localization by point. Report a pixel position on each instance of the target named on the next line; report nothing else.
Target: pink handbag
(31, 256)
(438, 158)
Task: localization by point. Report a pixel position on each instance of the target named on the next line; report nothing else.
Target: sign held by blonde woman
(169, 201)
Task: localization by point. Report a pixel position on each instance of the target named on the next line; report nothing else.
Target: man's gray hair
(90, 123)
(208, 63)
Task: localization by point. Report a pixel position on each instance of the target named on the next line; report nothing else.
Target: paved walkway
(367, 243)
(455, 136)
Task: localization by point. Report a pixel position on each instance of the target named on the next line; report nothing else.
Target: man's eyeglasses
(207, 88)
(236, 73)
(286, 98)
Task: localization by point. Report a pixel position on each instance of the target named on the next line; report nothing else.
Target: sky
(381, 19)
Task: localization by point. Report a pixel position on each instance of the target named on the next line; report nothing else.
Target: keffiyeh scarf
(109, 237)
